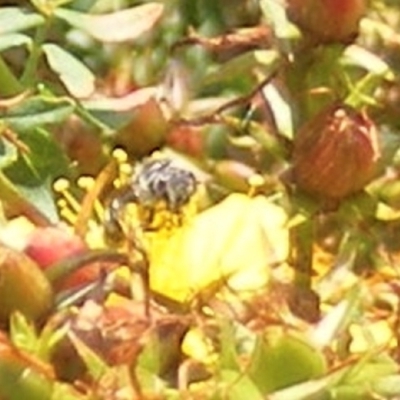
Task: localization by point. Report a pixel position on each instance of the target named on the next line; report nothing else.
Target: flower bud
(336, 153)
(53, 245)
(234, 175)
(50, 245)
(327, 20)
(145, 132)
(23, 286)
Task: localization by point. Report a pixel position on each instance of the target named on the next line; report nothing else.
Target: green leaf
(282, 360)
(63, 391)
(46, 160)
(34, 173)
(47, 156)
(17, 383)
(14, 40)
(281, 109)
(117, 27)
(362, 92)
(359, 380)
(9, 84)
(24, 336)
(95, 365)
(14, 19)
(162, 353)
(117, 112)
(387, 386)
(8, 153)
(315, 389)
(275, 14)
(239, 386)
(18, 204)
(151, 383)
(241, 66)
(358, 56)
(228, 354)
(76, 77)
(338, 319)
(349, 392)
(370, 368)
(259, 133)
(37, 111)
(22, 332)
(40, 195)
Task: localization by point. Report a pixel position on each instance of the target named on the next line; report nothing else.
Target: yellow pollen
(87, 183)
(255, 181)
(62, 186)
(120, 155)
(61, 203)
(125, 170)
(68, 215)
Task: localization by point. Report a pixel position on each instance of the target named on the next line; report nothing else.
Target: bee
(154, 182)
(161, 180)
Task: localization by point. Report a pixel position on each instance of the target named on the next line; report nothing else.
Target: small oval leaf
(280, 361)
(35, 112)
(120, 26)
(14, 40)
(76, 77)
(13, 19)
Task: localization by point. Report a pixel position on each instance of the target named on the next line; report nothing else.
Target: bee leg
(148, 219)
(113, 230)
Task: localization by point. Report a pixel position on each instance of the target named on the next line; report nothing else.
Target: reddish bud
(145, 132)
(234, 175)
(50, 245)
(23, 286)
(82, 145)
(187, 140)
(328, 20)
(336, 153)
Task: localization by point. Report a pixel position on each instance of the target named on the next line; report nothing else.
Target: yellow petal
(234, 242)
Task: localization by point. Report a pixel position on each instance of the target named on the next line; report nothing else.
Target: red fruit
(23, 286)
(187, 140)
(82, 145)
(88, 273)
(336, 153)
(51, 245)
(145, 132)
(328, 20)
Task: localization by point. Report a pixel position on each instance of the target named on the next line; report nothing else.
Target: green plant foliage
(128, 24)
(13, 19)
(239, 386)
(14, 40)
(200, 199)
(37, 111)
(77, 78)
(279, 362)
(19, 383)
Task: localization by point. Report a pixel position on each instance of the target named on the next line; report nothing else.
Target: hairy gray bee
(153, 181)
(160, 180)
